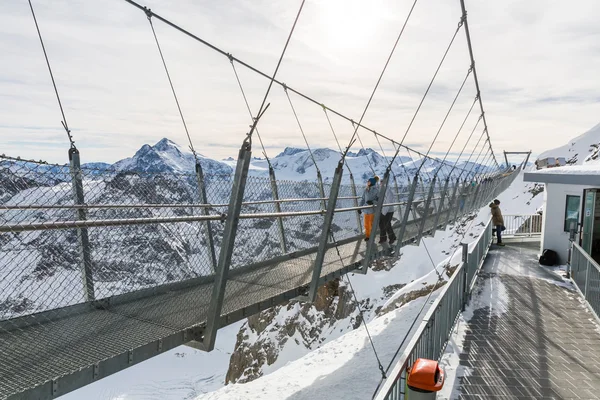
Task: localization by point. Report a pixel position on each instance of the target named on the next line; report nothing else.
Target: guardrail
(523, 225)
(436, 328)
(585, 273)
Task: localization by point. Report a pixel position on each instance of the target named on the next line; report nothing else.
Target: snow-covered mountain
(168, 156)
(580, 150)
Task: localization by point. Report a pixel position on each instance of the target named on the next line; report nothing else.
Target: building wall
(553, 235)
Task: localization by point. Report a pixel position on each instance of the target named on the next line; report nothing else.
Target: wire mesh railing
(76, 242)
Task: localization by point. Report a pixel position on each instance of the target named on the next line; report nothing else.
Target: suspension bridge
(102, 269)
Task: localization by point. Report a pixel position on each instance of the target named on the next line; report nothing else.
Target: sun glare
(349, 23)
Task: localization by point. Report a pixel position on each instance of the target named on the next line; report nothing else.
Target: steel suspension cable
(384, 69)
(459, 131)
(262, 106)
(62, 111)
(362, 146)
(162, 57)
(302, 130)
(431, 82)
(335, 136)
(467, 143)
(360, 311)
(447, 115)
(470, 46)
(262, 74)
(237, 78)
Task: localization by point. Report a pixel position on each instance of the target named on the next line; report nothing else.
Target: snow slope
(578, 149)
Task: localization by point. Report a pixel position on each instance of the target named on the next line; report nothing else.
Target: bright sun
(349, 23)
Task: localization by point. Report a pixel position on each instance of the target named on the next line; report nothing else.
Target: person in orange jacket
(369, 198)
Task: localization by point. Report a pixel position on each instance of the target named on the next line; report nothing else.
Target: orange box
(425, 376)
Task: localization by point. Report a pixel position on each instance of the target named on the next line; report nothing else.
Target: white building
(570, 200)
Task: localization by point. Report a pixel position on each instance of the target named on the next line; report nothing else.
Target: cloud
(537, 62)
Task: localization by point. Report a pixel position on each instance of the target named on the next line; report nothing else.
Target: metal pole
(82, 233)
(465, 260)
(275, 192)
(355, 195)
(205, 211)
(571, 241)
(426, 211)
(397, 197)
(527, 160)
(231, 224)
(321, 189)
(506, 158)
(461, 194)
(451, 203)
(325, 232)
(371, 246)
(411, 196)
(441, 206)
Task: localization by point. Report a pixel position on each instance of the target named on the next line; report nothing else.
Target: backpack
(549, 258)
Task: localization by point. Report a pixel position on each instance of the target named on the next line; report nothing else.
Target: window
(572, 212)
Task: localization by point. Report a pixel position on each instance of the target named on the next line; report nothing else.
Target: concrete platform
(527, 334)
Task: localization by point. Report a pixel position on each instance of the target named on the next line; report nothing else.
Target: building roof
(568, 175)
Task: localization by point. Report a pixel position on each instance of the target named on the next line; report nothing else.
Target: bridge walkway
(528, 335)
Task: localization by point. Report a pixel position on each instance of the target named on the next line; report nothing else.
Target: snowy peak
(290, 151)
(581, 150)
(168, 156)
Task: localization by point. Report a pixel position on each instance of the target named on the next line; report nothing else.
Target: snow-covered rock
(580, 150)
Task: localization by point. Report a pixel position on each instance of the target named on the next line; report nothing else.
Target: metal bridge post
(441, 205)
(321, 190)
(451, 203)
(325, 233)
(231, 224)
(82, 233)
(355, 196)
(205, 211)
(461, 194)
(426, 211)
(371, 246)
(397, 196)
(411, 196)
(282, 240)
(465, 260)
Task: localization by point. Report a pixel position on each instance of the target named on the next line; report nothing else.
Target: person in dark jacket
(497, 220)
(369, 198)
(385, 219)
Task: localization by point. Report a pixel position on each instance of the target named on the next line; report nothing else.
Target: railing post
(321, 190)
(205, 211)
(275, 192)
(571, 241)
(451, 203)
(371, 246)
(231, 224)
(82, 233)
(475, 197)
(465, 260)
(397, 196)
(355, 196)
(587, 277)
(461, 194)
(441, 205)
(411, 196)
(325, 232)
(426, 211)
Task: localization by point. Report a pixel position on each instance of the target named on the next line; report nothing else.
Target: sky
(537, 62)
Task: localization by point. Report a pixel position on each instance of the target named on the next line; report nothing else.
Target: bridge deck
(87, 343)
(530, 336)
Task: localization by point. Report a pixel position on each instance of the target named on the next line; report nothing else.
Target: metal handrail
(583, 270)
(393, 388)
